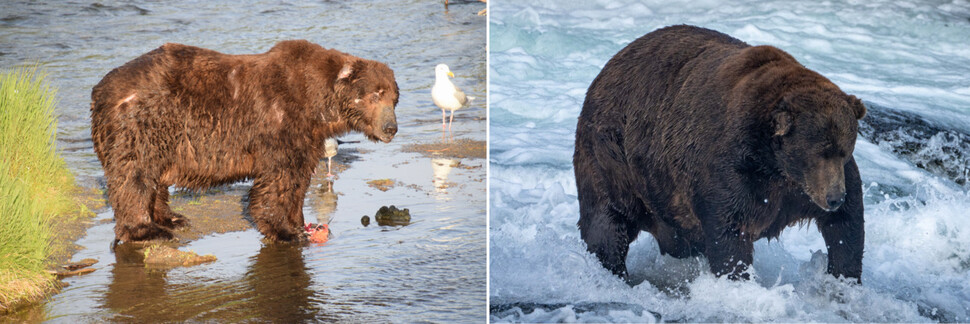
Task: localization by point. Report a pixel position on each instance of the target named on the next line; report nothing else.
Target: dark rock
(391, 216)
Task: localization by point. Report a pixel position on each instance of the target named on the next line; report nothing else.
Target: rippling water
(431, 270)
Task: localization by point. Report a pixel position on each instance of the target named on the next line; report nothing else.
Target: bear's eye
(830, 150)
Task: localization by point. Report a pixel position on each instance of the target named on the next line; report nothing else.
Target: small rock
(364, 220)
(164, 256)
(391, 216)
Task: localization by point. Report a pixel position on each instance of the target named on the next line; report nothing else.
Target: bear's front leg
(844, 230)
(276, 205)
(728, 251)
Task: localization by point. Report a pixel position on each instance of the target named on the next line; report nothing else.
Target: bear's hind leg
(603, 224)
(163, 214)
(607, 235)
(673, 242)
(132, 198)
(729, 251)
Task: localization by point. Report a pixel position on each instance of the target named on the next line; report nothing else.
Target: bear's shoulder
(301, 49)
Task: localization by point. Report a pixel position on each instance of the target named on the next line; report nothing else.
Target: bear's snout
(834, 200)
(826, 187)
(388, 124)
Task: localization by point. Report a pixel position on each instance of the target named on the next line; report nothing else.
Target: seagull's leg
(328, 167)
(451, 119)
(442, 119)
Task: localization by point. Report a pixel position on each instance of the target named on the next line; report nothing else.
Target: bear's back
(652, 66)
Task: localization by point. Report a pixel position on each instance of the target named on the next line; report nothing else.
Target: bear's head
(814, 136)
(370, 95)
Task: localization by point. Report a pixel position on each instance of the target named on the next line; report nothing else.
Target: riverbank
(36, 188)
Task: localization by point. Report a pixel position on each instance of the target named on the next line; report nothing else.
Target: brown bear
(710, 144)
(192, 117)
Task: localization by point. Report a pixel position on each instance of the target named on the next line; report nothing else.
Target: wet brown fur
(710, 144)
(194, 118)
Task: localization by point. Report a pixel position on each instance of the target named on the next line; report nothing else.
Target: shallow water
(431, 270)
(904, 55)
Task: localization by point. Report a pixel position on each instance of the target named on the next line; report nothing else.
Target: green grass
(35, 185)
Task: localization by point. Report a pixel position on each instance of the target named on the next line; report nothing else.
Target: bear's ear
(345, 71)
(857, 107)
(782, 122)
(781, 118)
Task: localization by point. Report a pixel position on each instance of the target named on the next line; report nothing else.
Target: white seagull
(445, 94)
(330, 150)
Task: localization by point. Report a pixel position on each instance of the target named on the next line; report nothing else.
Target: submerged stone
(166, 257)
(391, 216)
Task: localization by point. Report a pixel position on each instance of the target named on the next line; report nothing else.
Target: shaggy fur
(710, 144)
(191, 117)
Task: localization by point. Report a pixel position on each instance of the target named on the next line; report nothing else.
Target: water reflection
(441, 167)
(133, 284)
(281, 286)
(276, 288)
(323, 200)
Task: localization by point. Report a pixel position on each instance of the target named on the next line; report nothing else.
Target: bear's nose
(390, 121)
(835, 200)
(390, 128)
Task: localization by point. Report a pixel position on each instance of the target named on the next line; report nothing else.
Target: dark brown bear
(710, 144)
(191, 117)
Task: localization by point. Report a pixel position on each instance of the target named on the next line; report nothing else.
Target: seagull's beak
(451, 74)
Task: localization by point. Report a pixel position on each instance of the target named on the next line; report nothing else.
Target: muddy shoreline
(457, 148)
